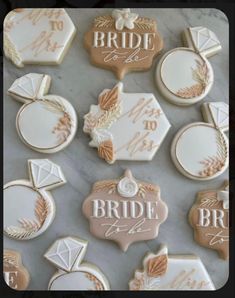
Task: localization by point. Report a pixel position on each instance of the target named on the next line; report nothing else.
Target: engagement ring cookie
(37, 36)
(126, 126)
(123, 42)
(200, 150)
(15, 274)
(174, 272)
(184, 75)
(45, 123)
(209, 217)
(125, 210)
(73, 274)
(29, 208)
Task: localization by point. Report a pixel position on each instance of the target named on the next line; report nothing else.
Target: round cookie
(126, 126)
(200, 150)
(209, 217)
(47, 34)
(45, 123)
(15, 274)
(123, 42)
(125, 210)
(171, 272)
(184, 75)
(73, 274)
(29, 208)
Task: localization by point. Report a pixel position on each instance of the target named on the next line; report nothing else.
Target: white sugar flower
(223, 196)
(124, 18)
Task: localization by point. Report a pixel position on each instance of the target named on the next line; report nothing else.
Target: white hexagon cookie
(47, 34)
(126, 126)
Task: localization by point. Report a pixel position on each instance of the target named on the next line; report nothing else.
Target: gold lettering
(150, 125)
(57, 25)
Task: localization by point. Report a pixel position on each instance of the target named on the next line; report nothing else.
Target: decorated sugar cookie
(15, 274)
(209, 217)
(37, 36)
(171, 272)
(200, 150)
(125, 210)
(184, 75)
(123, 42)
(45, 123)
(29, 208)
(73, 274)
(126, 126)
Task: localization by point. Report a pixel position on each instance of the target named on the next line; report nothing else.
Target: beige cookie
(15, 274)
(123, 42)
(125, 210)
(209, 217)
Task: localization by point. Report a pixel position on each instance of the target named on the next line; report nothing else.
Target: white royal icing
(220, 113)
(223, 196)
(124, 18)
(47, 34)
(100, 135)
(127, 187)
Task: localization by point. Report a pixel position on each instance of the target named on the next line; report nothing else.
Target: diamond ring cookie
(45, 123)
(123, 42)
(184, 75)
(73, 274)
(15, 274)
(125, 210)
(171, 272)
(209, 217)
(126, 126)
(29, 208)
(47, 35)
(200, 150)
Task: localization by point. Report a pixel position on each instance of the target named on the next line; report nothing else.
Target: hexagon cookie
(126, 126)
(47, 34)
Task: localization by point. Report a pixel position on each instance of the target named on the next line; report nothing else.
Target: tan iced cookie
(15, 274)
(123, 42)
(125, 210)
(209, 217)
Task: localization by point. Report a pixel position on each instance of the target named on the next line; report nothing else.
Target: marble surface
(80, 82)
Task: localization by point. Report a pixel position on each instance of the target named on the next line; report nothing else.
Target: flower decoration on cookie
(125, 210)
(47, 36)
(126, 126)
(176, 272)
(200, 150)
(15, 274)
(29, 208)
(184, 75)
(209, 217)
(45, 123)
(67, 254)
(123, 42)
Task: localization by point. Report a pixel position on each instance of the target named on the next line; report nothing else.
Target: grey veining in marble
(80, 82)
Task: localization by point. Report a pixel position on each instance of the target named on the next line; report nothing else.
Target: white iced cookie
(73, 274)
(174, 272)
(45, 123)
(126, 126)
(37, 36)
(29, 208)
(184, 75)
(200, 150)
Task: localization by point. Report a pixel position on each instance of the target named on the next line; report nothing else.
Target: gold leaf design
(29, 227)
(97, 284)
(109, 185)
(201, 76)
(104, 22)
(214, 164)
(9, 261)
(144, 23)
(209, 199)
(108, 117)
(143, 188)
(63, 127)
(109, 98)
(157, 266)
(11, 52)
(106, 151)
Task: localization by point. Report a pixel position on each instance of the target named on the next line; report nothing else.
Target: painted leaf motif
(157, 266)
(105, 151)
(109, 98)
